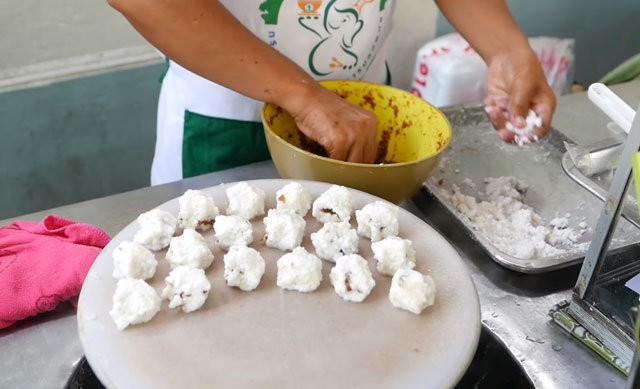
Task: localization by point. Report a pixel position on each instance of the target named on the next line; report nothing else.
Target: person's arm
(516, 81)
(487, 25)
(204, 37)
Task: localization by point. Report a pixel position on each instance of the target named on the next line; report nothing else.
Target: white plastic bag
(448, 71)
(557, 59)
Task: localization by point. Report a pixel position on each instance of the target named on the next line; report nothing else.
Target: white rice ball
(189, 249)
(156, 229)
(243, 267)
(334, 240)
(294, 196)
(245, 200)
(377, 220)
(284, 229)
(186, 288)
(133, 260)
(393, 253)
(197, 210)
(134, 302)
(299, 270)
(232, 231)
(351, 278)
(334, 205)
(412, 291)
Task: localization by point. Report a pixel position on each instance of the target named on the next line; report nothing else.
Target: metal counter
(42, 352)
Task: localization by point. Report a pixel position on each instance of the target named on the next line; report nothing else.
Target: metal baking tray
(476, 153)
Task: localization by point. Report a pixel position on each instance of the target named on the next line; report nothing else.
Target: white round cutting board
(275, 338)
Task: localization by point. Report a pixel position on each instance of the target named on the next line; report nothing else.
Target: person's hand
(516, 84)
(347, 132)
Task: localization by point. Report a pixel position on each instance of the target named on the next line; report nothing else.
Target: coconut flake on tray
(512, 226)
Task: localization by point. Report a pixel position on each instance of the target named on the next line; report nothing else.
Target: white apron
(330, 39)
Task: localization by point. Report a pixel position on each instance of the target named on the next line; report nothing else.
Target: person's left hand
(516, 84)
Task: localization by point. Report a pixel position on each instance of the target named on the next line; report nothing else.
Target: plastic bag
(448, 71)
(557, 59)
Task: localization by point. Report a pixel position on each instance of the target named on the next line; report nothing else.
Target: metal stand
(584, 306)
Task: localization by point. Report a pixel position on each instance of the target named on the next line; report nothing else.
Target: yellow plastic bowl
(414, 131)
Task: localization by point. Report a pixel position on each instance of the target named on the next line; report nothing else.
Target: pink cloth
(44, 263)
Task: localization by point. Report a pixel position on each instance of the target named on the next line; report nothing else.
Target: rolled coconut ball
(412, 291)
(197, 210)
(351, 278)
(157, 227)
(133, 260)
(333, 205)
(245, 200)
(243, 267)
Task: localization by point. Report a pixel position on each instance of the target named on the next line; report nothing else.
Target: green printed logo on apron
(336, 38)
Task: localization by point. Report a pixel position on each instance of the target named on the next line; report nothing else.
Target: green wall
(77, 140)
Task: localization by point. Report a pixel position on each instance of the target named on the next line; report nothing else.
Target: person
(229, 56)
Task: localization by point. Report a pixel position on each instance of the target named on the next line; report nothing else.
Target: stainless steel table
(42, 352)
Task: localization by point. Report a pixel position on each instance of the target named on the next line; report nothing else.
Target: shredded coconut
(525, 135)
(510, 225)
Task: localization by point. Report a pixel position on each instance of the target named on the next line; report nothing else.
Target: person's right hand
(347, 132)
